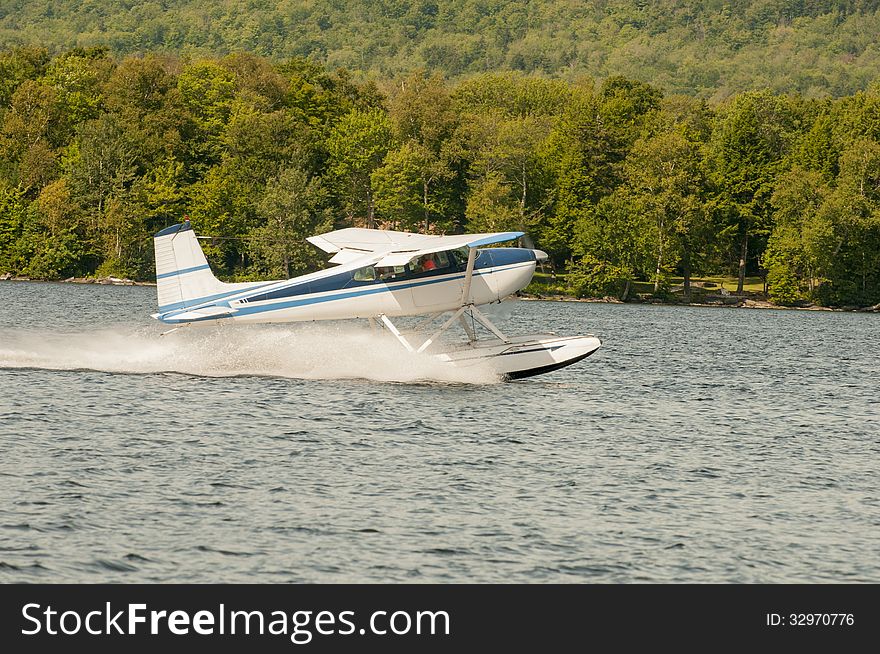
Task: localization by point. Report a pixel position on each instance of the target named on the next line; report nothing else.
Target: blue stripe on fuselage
(246, 310)
(199, 301)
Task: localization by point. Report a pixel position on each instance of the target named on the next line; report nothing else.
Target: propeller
(526, 241)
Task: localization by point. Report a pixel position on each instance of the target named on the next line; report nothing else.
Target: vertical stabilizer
(183, 276)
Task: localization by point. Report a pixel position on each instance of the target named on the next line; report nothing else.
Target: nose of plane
(540, 255)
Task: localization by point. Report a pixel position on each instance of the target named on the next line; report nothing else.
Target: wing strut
(468, 276)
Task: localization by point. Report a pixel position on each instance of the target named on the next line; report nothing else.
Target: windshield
(461, 255)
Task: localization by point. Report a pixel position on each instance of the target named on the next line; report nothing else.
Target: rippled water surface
(699, 445)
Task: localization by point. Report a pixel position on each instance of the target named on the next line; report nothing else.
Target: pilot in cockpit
(427, 263)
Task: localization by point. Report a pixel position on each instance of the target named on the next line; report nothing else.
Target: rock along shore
(113, 281)
(715, 301)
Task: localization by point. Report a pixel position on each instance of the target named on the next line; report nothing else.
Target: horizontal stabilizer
(205, 313)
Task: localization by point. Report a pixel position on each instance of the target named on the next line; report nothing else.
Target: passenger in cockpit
(428, 263)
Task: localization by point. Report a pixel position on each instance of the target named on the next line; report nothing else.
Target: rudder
(183, 276)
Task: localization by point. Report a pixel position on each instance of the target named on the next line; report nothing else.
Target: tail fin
(183, 277)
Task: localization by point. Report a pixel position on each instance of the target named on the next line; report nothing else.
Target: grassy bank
(704, 290)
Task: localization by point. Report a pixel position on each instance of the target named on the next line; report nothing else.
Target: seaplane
(379, 275)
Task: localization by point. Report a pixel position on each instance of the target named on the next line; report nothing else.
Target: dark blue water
(698, 445)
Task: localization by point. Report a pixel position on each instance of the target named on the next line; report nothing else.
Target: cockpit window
(390, 272)
(425, 263)
(367, 274)
(372, 273)
(461, 255)
(429, 262)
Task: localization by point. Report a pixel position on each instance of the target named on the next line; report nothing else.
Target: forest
(707, 48)
(618, 180)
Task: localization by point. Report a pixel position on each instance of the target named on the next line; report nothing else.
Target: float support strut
(391, 328)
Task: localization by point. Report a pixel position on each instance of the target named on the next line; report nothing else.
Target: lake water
(698, 445)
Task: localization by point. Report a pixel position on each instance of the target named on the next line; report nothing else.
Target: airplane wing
(397, 248)
(400, 257)
(367, 240)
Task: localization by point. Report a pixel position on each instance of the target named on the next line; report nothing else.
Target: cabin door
(436, 282)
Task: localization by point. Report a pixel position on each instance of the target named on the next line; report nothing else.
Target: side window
(461, 255)
(367, 274)
(390, 272)
(429, 262)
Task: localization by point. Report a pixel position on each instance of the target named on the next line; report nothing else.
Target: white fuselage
(335, 294)
(395, 298)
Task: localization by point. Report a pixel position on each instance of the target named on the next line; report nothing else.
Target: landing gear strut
(421, 344)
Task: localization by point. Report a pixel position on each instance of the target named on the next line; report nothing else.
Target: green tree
(857, 262)
(77, 78)
(161, 193)
(125, 241)
(491, 205)
(18, 65)
(586, 150)
(421, 110)
(818, 148)
(222, 206)
(142, 95)
(292, 208)
(626, 105)
(405, 188)
(512, 95)
(207, 92)
(139, 87)
(507, 151)
(800, 249)
(258, 144)
(208, 89)
(610, 247)
(357, 145)
(746, 152)
(424, 120)
(101, 162)
(256, 78)
(576, 155)
(665, 176)
(13, 207)
(397, 187)
(32, 118)
(52, 237)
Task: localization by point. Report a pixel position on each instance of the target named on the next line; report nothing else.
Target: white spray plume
(301, 352)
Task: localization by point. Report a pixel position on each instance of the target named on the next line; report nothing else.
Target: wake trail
(299, 352)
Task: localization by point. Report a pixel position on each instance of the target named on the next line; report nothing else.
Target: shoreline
(104, 281)
(734, 303)
(729, 301)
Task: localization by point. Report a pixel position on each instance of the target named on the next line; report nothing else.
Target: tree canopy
(709, 49)
(618, 181)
